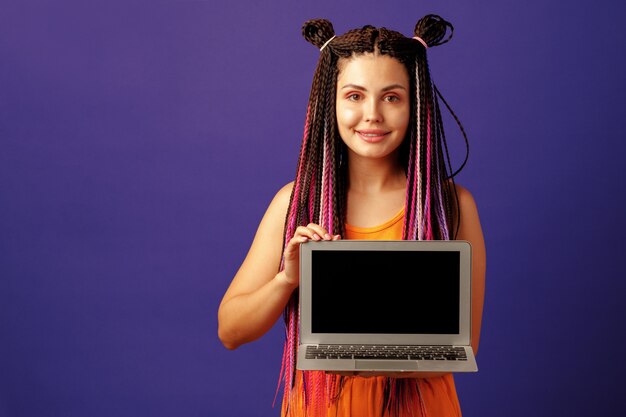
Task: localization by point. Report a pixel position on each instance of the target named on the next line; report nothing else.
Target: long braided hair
(320, 187)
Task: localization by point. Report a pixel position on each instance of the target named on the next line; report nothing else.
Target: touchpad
(385, 365)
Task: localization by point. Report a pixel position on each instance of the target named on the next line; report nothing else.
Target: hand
(292, 252)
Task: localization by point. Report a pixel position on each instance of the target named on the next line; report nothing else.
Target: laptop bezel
(461, 339)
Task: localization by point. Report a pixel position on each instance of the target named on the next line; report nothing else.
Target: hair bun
(432, 29)
(318, 31)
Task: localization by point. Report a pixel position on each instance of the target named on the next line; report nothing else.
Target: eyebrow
(361, 88)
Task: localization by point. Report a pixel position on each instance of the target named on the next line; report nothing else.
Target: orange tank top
(390, 230)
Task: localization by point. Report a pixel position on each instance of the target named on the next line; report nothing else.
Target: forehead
(371, 70)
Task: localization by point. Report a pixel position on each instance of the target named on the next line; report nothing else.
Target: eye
(392, 99)
(354, 97)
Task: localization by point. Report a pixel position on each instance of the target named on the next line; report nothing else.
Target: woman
(373, 165)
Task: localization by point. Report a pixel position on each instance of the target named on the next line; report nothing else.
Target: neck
(368, 175)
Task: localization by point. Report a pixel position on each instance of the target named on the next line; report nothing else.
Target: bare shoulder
(284, 194)
(465, 197)
(280, 203)
(469, 227)
(272, 224)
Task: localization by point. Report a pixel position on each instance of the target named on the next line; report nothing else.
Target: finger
(307, 232)
(319, 231)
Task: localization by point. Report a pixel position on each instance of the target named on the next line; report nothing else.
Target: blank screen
(400, 292)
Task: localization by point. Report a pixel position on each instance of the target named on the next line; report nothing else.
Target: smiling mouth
(372, 136)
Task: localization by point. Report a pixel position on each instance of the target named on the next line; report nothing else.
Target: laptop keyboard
(437, 353)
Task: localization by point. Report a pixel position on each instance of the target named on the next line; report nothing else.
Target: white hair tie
(326, 43)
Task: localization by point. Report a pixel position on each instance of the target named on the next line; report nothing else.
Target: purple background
(141, 143)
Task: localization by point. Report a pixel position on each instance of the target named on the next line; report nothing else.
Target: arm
(258, 294)
(470, 230)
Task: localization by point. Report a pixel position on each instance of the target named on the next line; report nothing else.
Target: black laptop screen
(385, 292)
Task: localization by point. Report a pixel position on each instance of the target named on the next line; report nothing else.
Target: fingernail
(336, 237)
(304, 239)
(327, 236)
(316, 236)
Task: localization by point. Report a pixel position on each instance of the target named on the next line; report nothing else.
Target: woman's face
(372, 104)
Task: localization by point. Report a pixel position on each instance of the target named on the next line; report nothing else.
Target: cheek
(347, 117)
(401, 119)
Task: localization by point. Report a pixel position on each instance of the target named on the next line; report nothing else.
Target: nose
(372, 111)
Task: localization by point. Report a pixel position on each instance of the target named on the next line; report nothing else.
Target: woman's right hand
(303, 234)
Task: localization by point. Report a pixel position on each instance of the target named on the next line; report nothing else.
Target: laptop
(372, 306)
